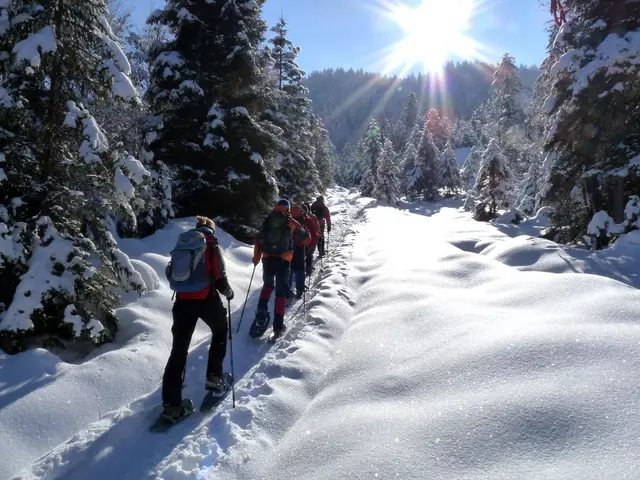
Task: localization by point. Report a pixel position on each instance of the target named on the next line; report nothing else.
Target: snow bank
(44, 401)
(457, 366)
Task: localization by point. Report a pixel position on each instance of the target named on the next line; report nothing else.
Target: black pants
(321, 251)
(185, 317)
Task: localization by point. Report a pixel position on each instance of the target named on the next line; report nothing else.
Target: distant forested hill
(347, 99)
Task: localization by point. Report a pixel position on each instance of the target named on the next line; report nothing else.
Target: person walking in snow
(313, 226)
(300, 248)
(196, 273)
(275, 248)
(320, 210)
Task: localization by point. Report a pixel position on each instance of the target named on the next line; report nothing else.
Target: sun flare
(434, 32)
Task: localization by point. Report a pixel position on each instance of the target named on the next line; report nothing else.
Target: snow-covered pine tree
(371, 151)
(594, 103)
(450, 179)
(526, 202)
(240, 143)
(408, 170)
(439, 128)
(345, 161)
(324, 155)
(409, 116)
(491, 190)
(62, 270)
(182, 82)
(507, 96)
(387, 183)
(463, 134)
(424, 179)
(296, 174)
(470, 167)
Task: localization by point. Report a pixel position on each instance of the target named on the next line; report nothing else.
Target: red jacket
(215, 270)
(312, 224)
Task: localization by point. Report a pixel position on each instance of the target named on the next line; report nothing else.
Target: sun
(434, 32)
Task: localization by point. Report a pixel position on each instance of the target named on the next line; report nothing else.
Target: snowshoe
(277, 334)
(260, 324)
(214, 396)
(172, 415)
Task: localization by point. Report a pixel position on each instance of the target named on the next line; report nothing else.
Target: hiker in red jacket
(196, 273)
(300, 248)
(313, 226)
(320, 210)
(275, 247)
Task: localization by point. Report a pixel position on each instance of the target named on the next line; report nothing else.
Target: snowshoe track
(202, 441)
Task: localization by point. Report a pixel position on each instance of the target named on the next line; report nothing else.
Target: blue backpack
(187, 270)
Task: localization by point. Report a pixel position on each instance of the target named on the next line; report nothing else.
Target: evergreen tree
(507, 91)
(209, 90)
(408, 168)
(296, 174)
(471, 166)
(528, 190)
(371, 151)
(594, 102)
(463, 134)
(62, 270)
(438, 128)
(449, 173)
(491, 190)
(387, 184)
(242, 146)
(324, 156)
(409, 116)
(424, 179)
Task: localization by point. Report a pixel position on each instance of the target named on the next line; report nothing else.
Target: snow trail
(420, 356)
(119, 445)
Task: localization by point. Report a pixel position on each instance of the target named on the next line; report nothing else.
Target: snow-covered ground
(432, 346)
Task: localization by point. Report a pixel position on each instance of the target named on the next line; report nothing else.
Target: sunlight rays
(434, 32)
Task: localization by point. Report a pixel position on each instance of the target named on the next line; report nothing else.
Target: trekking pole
(304, 291)
(233, 373)
(245, 300)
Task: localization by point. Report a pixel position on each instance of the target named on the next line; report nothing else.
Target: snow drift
(457, 366)
(422, 354)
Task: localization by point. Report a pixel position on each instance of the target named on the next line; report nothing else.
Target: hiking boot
(173, 413)
(277, 332)
(215, 385)
(213, 382)
(260, 324)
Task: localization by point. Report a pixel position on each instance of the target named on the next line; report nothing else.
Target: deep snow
(433, 346)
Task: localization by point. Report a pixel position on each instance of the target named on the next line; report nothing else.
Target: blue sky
(353, 34)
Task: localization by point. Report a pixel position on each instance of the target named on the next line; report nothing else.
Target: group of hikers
(196, 272)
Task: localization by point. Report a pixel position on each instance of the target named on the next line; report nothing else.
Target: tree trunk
(617, 199)
(51, 123)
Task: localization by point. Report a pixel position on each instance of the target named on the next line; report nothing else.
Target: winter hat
(285, 203)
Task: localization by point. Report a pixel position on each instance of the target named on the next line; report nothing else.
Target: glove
(229, 294)
(256, 259)
(328, 228)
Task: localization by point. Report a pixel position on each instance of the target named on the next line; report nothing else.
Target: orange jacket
(294, 227)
